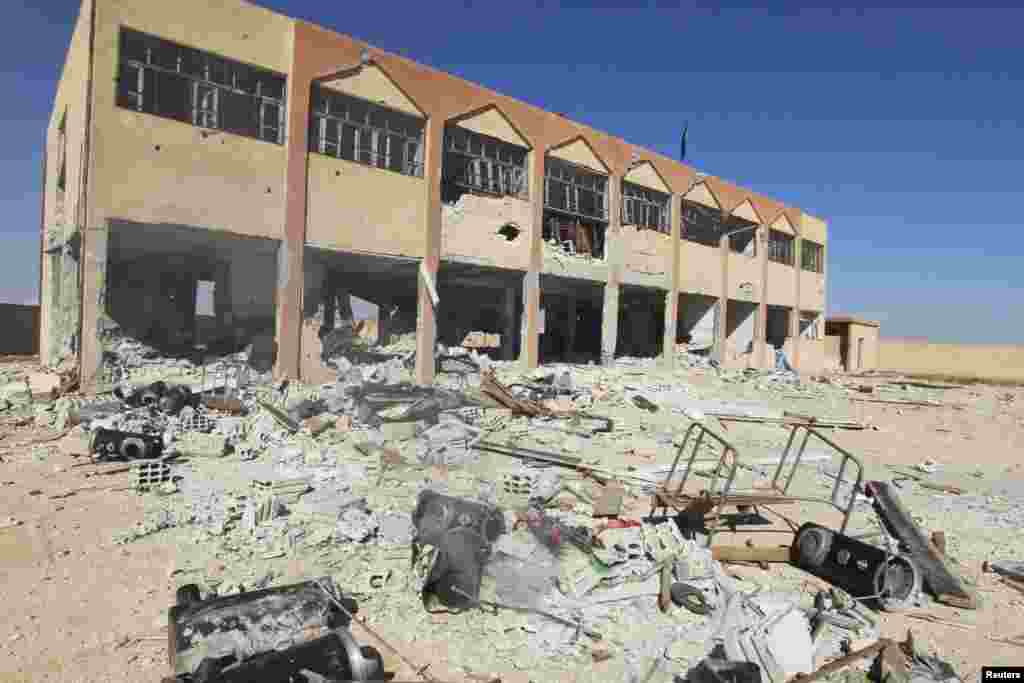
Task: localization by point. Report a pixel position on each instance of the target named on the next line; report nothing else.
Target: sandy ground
(78, 607)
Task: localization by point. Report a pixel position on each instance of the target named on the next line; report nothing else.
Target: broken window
(645, 208)
(159, 77)
(744, 242)
(574, 235)
(811, 256)
(701, 224)
(479, 163)
(349, 128)
(780, 247)
(574, 190)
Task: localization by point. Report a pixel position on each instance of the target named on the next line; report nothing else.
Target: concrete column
(761, 328)
(46, 304)
(613, 256)
(291, 250)
(529, 348)
(222, 296)
(794, 320)
(668, 344)
(721, 331)
(426, 315)
(573, 312)
(94, 291)
(507, 344)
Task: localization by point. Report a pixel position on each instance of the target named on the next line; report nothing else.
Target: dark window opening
(744, 242)
(811, 254)
(701, 224)
(479, 163)
(175, 82)
(575, 235)
(572, 190)
(349, 128)
(644, 208)
(780, 247)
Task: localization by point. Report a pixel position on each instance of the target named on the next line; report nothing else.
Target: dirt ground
(78, 607)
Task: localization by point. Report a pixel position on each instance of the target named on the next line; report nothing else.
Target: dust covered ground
(90, 565)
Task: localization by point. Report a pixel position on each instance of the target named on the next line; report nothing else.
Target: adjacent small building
(217, 173)
(855, 342)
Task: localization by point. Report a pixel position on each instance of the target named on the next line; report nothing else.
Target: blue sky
(901, 127)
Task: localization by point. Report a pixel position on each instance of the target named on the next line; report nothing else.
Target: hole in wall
(510, 231)
(156, 147)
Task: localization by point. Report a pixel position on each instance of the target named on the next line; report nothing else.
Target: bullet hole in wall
(510, 231)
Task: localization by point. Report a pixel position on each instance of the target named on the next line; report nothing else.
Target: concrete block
(44, 385)
(317, 425)
(399, 431)
(202, 445)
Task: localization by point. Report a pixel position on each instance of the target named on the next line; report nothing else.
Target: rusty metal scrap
(843, 662)
(490, 385)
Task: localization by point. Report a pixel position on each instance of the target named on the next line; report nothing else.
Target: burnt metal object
(422, 403)
(115, 444)
(698, 439)
(725, 671)
(463, 532)
(690, 597)
(862, 570)
(937, 575)
(529, 454)
(168, 398)
(266, 635)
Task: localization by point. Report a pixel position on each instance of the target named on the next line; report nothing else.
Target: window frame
(486, 174)
(139, 76)
(570, 178)
(712, 215)
(637, 198)
(370, 144)
(812, 257)
(781, 251)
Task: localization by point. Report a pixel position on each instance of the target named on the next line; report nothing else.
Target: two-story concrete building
(216, 171)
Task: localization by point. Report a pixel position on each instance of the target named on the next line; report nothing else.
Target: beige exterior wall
(700, 269)
(493, 123)
(812, 291)
(151, 169)
(868, 359)
(646, 251)
(781, 284)
(743, 270)
(469, 229)
(361, 208)
(578, 153)
(978, 361)
(645, 175)
(71, 98)
(813, 355)
(63, 210)
(814, 229)
(833, 354)
(373, 85)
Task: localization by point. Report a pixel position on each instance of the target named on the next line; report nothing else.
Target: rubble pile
(543, 481)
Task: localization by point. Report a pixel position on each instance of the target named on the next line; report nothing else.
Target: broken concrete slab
(195, 444)
(16, 393)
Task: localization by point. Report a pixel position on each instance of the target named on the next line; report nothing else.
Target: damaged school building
(220, 175)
